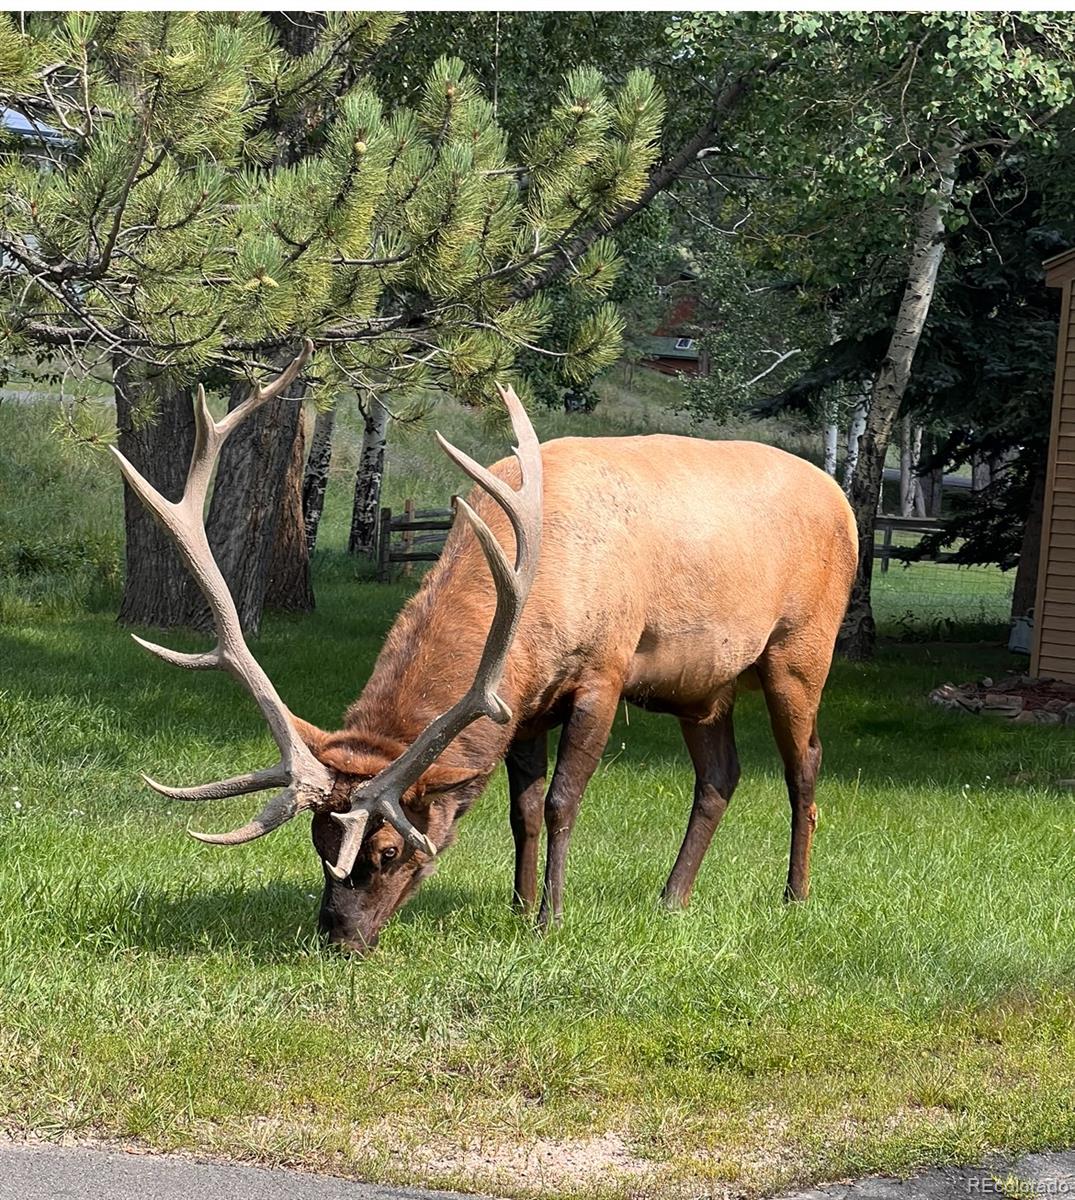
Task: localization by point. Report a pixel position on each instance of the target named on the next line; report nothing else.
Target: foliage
(166, 226)
(866, 103)
(861, 105)
(753, 332)
(985, 377)
(982, 383)
(514, 56)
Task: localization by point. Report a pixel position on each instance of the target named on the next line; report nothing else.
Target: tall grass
(60, 522)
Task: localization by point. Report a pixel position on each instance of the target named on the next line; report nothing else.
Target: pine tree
(204, 192)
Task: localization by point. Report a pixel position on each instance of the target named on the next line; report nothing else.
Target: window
(684, 343)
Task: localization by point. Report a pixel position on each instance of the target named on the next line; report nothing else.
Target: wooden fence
(887, 526)
(415, 536)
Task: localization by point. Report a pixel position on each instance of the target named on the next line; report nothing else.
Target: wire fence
(941, 600)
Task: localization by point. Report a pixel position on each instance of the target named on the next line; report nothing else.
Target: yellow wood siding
(1053, 650)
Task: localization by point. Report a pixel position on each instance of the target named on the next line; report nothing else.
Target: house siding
(1053, 651)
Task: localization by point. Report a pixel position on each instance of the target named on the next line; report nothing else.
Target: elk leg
(716, 770)
(792, 695)
(527, 764)
(582, 742)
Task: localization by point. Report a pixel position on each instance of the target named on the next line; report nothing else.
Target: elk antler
(306, 781)
(382, 794)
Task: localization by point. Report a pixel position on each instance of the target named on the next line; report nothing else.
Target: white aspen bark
(830, 431)
(859, 632)
(919, 505)
(315, 479)
(368, 478)
(906, 477)
(855, 430)
(829, 436)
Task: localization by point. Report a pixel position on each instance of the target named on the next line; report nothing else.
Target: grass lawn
(919, 1008)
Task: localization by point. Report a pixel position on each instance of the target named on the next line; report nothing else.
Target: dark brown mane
(429, 658)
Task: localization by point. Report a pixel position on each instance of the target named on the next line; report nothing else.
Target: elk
(666, 570)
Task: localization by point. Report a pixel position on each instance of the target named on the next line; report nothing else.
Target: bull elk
(666, 570)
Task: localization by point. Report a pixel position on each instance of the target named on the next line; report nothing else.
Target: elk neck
(428, 662)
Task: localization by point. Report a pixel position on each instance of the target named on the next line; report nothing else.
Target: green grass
(942, 601)
(919, 1008)
(60, 519)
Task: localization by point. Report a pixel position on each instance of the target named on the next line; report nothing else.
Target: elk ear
(439, 778)
(313, 737)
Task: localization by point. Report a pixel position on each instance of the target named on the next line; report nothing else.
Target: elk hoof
(547, 923)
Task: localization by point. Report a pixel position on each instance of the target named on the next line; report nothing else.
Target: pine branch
(566, 250)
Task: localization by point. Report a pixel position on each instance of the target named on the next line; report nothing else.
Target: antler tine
(528, 453)
(184, 522)
(383, 793)
(238, 785)
(192, 662)
(278, 811)
(354, 830)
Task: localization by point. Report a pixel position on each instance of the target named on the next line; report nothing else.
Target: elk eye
(388, 853)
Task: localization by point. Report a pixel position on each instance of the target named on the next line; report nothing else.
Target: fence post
(887, 548)
(384, 567)
(408, 534)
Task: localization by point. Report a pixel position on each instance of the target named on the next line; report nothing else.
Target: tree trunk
(315, 481)
(1026, 573)
(289, 588)
(919, 480)
(275, 569)
(859, 631)
(245, 509)
(368, 478)
(936, 499)
(931, 485)
(155, 419)
(829, 435)
(854, 432)
(907, 478)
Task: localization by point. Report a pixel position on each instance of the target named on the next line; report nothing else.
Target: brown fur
(671, 570)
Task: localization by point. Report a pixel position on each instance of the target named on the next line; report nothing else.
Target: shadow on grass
(272, 922)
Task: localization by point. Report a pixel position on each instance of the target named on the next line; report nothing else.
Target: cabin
(673, 348)
(1053, 648)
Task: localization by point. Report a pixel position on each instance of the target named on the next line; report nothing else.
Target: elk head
(367, 803)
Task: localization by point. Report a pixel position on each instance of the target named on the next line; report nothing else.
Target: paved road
(1036, 1175)
(46, 1172)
